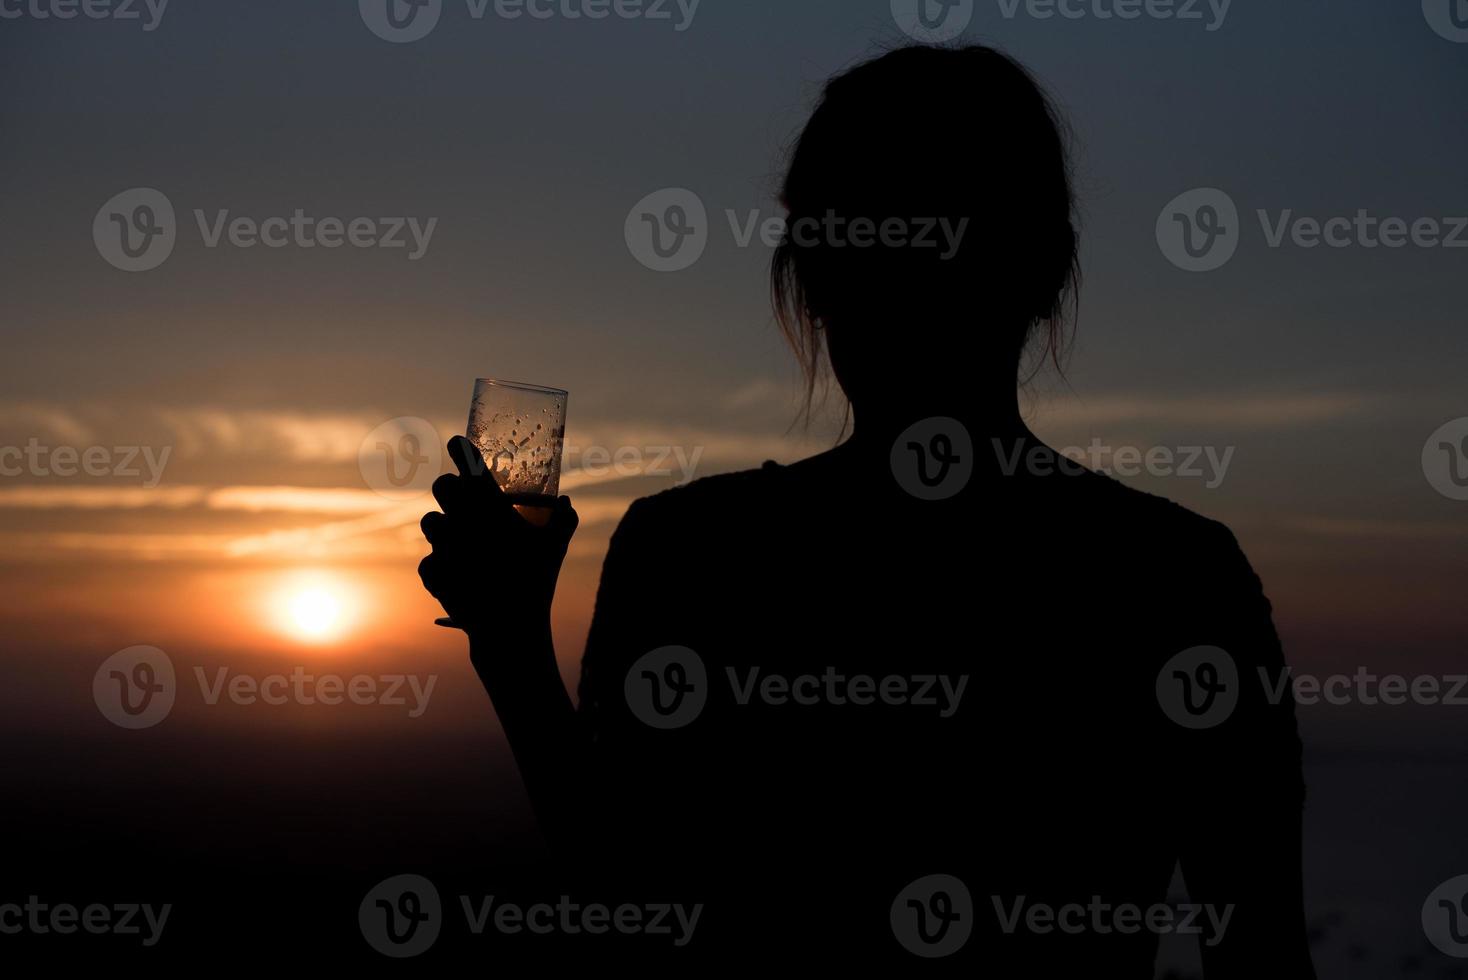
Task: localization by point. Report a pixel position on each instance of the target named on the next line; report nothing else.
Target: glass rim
(520, 386)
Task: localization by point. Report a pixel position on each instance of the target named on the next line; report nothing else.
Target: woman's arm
(551, 750)
(495, 574)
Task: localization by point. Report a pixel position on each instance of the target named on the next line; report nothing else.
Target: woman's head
(930, 229)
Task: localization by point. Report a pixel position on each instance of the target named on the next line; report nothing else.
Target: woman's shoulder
(1092, 503)
(1114, 516)
(710, 494)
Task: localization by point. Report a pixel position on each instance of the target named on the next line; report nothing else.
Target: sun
(315, 613)
(314, 608)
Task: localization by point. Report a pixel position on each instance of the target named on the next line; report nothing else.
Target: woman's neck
(983, 420)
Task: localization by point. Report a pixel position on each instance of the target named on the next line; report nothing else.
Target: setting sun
(315, 612)
(314, 607)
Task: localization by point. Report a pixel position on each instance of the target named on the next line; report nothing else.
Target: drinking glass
(519, 430)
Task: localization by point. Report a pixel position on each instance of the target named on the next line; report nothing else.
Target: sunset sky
(261, 371)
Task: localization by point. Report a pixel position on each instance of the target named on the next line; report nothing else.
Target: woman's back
(895, 688)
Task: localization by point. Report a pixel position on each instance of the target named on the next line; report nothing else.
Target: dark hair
(963, 134)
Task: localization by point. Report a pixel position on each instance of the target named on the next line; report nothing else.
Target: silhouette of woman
(937, 649)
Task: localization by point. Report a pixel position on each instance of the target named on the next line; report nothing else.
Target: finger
(448, 490)
(435, 527)
(478, 478)
(564, 517)
(469, 459)
(428, 574)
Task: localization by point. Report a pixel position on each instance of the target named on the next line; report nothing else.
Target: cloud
(38, 497)
(296, 500)
(252, 500)
(380, 528)
(760, 393)
(295, 436)
(45, 422)
(323, 540)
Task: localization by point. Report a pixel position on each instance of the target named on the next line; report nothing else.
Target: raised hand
(493, 571)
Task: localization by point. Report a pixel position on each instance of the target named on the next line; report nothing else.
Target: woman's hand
(494, 572)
